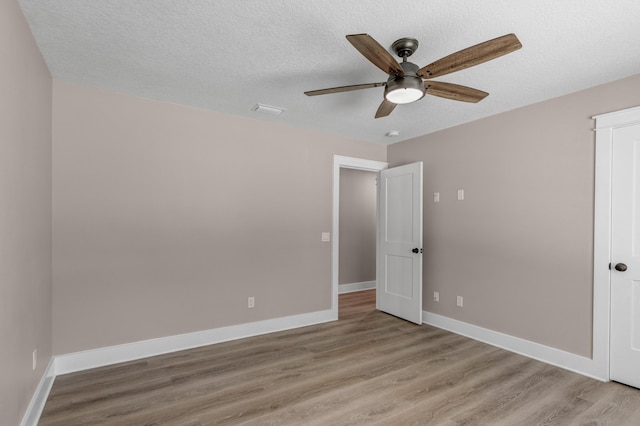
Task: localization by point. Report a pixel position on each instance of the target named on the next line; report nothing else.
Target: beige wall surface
(166, 218)
(357, 249)
(519, 248)
(25, 213)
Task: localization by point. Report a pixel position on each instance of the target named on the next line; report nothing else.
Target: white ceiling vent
(267, 109)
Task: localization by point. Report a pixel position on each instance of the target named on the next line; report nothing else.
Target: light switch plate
(326, 236)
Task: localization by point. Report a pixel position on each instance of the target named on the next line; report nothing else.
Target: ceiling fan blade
(377, 54)
(385, 108)
(343, 89)
(454, 91)
(471, 56)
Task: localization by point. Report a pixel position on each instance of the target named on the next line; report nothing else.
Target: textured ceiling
(229, 55)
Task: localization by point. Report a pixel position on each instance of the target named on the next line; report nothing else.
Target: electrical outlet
(251, 302)
(34, 359)
(436, 296)
(459, 301)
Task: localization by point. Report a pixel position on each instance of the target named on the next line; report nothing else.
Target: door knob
(621, 267)
(417, 250)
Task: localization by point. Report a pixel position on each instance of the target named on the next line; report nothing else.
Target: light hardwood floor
(368, 368)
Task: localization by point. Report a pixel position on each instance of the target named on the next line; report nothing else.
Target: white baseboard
(350, 288)
(553, 356)
(34, 410)
(93, 358)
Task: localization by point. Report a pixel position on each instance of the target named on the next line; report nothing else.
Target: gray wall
(519, 248)
(25, 213)
(357, 249)
(166, 218)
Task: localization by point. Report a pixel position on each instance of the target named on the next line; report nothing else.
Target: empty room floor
(368, 368)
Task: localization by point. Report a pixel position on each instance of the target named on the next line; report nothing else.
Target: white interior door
(399, 257)
(625, 257)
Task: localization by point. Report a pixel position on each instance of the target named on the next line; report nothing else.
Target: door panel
(635, 316)
(399, 278)
(399, 233)
(399, 192)
(625, 250)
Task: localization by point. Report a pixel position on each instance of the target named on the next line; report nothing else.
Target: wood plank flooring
(368, 368)
(356, 302)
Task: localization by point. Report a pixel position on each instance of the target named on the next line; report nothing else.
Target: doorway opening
(357, 241)
(358, 227)
(341, 163)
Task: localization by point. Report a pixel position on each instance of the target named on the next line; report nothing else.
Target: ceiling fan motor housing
(406, 89)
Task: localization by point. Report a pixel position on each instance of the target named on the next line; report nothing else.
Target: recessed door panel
(635, 316)
(399, 210)
(399, 279)
(635, 201)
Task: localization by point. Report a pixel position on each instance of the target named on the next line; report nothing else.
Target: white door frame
(339, 162)
(605, 123)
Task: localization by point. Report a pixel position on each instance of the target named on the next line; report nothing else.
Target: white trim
(602, 249)
(340, 161)
(351, 287)
(605, 124)
(620, 118)
(93, 358)
(39, 398)
(572, 362)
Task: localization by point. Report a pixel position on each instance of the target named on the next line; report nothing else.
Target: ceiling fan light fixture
(404, 90)
(404, 95)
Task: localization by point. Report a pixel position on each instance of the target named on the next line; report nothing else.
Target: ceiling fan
(408, 83)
